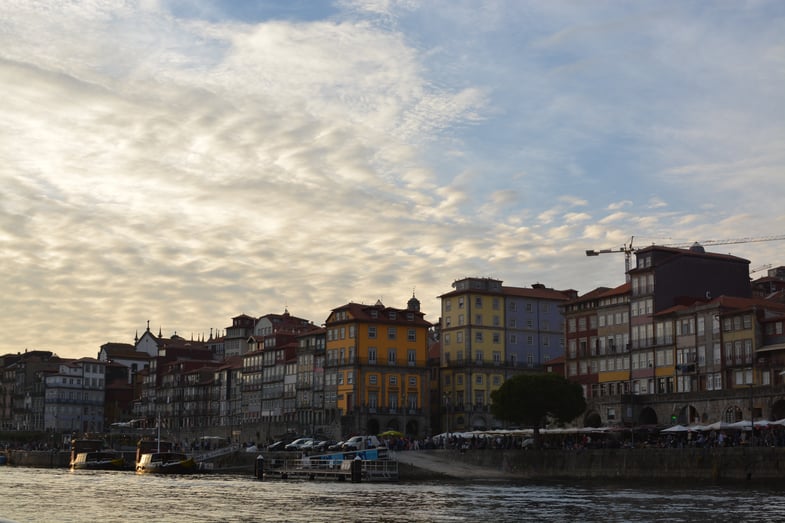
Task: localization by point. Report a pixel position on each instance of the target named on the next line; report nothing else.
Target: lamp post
(446, 419)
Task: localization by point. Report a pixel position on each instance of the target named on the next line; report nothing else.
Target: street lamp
(403, 408)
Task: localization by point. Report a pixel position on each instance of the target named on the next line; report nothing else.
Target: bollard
(357, 469)
(259, 467)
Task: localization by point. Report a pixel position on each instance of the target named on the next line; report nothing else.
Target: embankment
(706, 465)
(709, 464)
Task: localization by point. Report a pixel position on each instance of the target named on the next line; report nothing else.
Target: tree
(528, 399)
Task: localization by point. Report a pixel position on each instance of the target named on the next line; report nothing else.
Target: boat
(166, 463)
(159, 457)
(90, 454)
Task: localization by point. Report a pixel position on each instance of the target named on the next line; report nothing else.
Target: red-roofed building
(376, 371)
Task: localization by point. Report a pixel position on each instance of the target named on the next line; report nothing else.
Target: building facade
(377, 363)
(490, 332)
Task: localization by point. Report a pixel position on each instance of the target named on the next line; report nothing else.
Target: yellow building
(377, 365)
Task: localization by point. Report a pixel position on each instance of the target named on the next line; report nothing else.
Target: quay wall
(702, 464)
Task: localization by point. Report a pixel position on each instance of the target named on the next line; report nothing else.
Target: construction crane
(628, 249)
(760, 268)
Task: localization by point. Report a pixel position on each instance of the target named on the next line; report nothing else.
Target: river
(43, 495)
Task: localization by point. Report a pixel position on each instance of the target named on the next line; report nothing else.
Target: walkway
(448, 463)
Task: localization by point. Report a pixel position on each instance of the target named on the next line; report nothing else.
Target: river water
(43, 495)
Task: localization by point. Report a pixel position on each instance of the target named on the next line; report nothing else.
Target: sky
(185, 162)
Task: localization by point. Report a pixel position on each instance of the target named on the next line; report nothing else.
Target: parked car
(361, 443)
(323, 445)
(298, 444)
(278, 445)
(338, 445)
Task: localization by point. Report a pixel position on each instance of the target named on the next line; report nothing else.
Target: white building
(74, 397)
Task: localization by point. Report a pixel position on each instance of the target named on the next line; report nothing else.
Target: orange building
(377, 367)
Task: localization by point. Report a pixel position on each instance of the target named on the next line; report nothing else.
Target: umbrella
(391, 434)
(676, 428)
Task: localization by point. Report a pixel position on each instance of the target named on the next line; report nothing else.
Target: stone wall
(711, 464)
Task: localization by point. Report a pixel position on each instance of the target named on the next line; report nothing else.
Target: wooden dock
(327, 467)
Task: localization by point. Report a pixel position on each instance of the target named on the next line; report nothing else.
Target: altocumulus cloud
(186, 169)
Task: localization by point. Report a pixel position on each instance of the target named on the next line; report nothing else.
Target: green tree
(528, 399)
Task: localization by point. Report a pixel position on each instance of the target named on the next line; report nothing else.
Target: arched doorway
(688, 415)
(647, 417)
(592, 419)
(732, 414)
(778, 410)
(412, 429)
(372, 427)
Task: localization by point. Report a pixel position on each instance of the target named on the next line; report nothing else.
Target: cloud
(185, 164)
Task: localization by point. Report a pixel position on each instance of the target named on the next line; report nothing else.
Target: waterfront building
(151, 401)
(377, 363)
(581, 329)
(235, 341)
(663, 276)
(74, 396)
(270, 374)
(313, 415)
(24, 379)
(227, 398)
(489, 333)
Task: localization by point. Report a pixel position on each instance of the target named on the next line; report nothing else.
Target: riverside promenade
(709, 465)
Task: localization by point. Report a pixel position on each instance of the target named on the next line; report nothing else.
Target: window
(393, 315)
(478, 336)
(496, 337)
(373, 379)
(393, 380)
(391, 356)
(478, 356)
(478, 379)
(478, 319)
(459, 337)
(411, 335)
(478, 302)
(372, 355)
(392, 332)
(372, 332)
(412, 357)
(460, 302)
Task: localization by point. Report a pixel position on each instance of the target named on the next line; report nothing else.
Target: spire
(159, 332)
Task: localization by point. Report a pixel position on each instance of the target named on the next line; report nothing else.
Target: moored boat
(159, 457)
(99, 460)
(166, 463)
(90, 454)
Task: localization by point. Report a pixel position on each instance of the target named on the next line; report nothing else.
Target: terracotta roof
(541, 293)
(621, 290)
(360, 312)
(593, 294)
